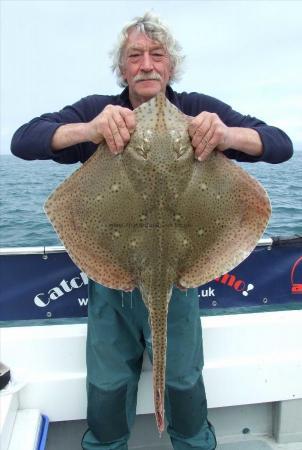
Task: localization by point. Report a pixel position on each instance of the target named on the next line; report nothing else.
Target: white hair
(152, 26)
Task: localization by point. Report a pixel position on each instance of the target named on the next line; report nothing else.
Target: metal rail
(61, 249)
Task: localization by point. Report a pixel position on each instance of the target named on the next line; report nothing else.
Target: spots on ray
(115, 187)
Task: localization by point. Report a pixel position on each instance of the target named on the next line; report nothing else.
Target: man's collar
(125, 101)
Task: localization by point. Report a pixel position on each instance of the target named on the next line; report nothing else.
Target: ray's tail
(158, 321)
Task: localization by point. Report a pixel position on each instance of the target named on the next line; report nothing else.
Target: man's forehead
(138, 40)
(155, 45)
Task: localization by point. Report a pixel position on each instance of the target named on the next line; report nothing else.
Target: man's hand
(208, 132)
(115, 124)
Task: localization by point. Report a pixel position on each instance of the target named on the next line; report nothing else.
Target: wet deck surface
(68, 435)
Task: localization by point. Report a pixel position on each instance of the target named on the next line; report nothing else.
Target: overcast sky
(246, 53)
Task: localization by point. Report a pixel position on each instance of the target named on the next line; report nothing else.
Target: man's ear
(122, 70)
(172, 70)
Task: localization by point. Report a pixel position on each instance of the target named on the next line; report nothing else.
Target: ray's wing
(227, 211)
(91, 213)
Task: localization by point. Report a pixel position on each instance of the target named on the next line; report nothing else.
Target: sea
(25, 185)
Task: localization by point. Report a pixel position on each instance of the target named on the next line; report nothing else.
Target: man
(146, 60)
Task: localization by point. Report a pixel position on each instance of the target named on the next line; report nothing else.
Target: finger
(205, 152)
(116, 136)
(215, 138)
(196, 122)
(206, 146)
(107, 133)
(193, 125)
(122, 127)
(129, 118)
(201, 132)
(206, 142)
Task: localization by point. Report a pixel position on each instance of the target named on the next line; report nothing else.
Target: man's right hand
(115, 124)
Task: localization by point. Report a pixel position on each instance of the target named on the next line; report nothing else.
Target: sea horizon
(27, 184)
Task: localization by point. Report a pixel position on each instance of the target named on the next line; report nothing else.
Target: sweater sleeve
(33, 139)
(277, 146)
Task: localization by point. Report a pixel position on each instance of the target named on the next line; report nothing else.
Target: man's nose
(146, 62)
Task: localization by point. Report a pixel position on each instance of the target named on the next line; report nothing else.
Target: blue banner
(269, 279)
(41, 286)
(48, 285)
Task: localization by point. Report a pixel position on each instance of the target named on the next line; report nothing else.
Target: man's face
(146, 67)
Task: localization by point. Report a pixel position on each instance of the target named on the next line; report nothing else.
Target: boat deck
(67, 436)
(253, 384)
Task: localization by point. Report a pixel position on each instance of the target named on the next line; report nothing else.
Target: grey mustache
(149, 76)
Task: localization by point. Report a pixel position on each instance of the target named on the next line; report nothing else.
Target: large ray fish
(154, 216)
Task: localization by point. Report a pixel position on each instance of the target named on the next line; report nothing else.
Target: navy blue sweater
(33, 139)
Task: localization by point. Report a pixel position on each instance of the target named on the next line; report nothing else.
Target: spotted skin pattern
(154, 216)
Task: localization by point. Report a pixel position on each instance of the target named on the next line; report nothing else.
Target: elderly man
(146, 60)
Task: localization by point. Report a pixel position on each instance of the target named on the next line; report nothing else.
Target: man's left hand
(208, 132)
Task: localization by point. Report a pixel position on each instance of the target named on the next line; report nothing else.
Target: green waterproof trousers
(118, 333)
